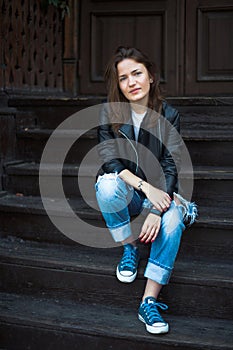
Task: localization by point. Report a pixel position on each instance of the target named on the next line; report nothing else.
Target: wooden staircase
(57, 293)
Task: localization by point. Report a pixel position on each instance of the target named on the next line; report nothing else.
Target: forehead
(129, 65)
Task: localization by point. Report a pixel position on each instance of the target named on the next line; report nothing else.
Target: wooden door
(209, 47)
(191, 41)
(153, 26)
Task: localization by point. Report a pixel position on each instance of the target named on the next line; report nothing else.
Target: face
(134, 81)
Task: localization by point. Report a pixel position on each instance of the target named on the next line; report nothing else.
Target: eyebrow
(133, 71)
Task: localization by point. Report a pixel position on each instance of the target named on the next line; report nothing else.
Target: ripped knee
(107, 184)
(173, 219)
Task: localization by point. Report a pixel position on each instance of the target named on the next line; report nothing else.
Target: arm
(107, 145)
(160, 199)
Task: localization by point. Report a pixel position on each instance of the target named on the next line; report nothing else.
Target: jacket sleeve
(107, 145)
(171, 156)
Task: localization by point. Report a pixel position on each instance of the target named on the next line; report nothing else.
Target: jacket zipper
(135, 151)
(132, 145)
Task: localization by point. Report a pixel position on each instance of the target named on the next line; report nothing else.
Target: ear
(151, 81)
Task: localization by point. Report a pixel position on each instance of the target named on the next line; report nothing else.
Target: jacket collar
(128, 129)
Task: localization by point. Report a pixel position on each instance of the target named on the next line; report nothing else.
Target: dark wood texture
(7, 139)
(153, 26)
(78, 328)
(31, 47)
(209, 45)
(56, 291)
(70, 43)
(191, 42)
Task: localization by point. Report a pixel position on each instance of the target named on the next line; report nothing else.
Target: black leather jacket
(119, 151)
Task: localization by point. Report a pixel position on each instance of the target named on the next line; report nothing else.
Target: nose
(131, 80)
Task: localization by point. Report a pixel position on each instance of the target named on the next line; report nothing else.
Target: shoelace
(129, 259)
(153, 313)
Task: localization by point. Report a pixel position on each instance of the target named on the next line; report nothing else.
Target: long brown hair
(112, 82)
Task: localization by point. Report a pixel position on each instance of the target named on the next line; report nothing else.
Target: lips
(134, 91)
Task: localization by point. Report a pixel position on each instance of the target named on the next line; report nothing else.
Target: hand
(160, 199)
(150, 228)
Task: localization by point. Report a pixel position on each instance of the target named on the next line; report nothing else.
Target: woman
(132, 181)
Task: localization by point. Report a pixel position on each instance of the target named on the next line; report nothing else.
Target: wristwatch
(156, 211)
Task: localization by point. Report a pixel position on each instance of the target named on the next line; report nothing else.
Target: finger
(155, 234)
(168, 196)
(163, 206)
(166, 206)
(145, 236)
(154, 237)
(151, 235)
(143, 231)
(167, 200)
(158, 206)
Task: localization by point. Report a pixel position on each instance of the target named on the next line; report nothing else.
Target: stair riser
(205, 191)
(46, 116)
(30, 149)
(199, 241)
(197, 300)
(37, 227)
(209, 152)
(37, 338)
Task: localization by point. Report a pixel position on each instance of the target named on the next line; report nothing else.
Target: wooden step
(206, 126)
(25, 217)
(31, 143)
(206, 147)
(35, 322)
(84, 272)
(211, 184)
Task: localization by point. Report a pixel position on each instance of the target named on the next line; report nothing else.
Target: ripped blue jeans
(119, 201)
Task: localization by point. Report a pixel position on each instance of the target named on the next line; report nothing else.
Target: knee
(107, 187)
(173, 222)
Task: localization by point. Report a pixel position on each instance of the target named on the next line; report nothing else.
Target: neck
(139, 109)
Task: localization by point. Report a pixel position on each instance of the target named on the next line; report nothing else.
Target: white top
(137, 119)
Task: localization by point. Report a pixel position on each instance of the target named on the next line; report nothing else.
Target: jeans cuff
(158, 273)
(121, 233)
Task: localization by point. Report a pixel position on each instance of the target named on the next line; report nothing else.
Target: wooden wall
(190, 40)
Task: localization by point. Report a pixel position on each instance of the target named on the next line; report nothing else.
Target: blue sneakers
(148, 313)
(127, 268)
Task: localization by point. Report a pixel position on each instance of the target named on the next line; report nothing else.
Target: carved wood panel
(31, 47)
(152, 26)
(209, 47)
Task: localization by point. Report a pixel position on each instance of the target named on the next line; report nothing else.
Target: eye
(122, 79)
(138, 73)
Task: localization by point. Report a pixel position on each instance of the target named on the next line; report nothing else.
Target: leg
(159, 268)
(152, 289)
(118, 201)
(165, 248)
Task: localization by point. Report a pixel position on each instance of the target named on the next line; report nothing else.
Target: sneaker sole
(153, 329)
(125, 279)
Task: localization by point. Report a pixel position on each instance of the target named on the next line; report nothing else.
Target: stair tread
(32, 168)
(33, 204)
(207, 135)
(220, 133)
(91, 260)
(38, 133)
(111, 321)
